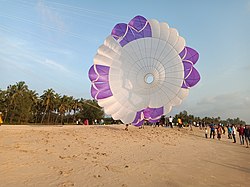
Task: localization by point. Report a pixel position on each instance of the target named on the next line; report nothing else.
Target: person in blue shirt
(212, 130)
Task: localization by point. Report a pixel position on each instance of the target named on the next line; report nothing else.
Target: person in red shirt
(241, 134)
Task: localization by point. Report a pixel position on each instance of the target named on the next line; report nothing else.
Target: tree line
(21, 105)
(189, 118)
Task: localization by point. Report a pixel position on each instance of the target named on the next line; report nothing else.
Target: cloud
(49, 16)
(230, 105)
(18, 52)
(54, 65)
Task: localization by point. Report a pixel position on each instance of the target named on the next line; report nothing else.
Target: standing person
(229, 131)
(219, 132)
(223, 128)
(234, 133)
(241, 134)
(180, 122)
(247, 135)
(170, 120)
(206, 132)
(1, 120)
(212, 130)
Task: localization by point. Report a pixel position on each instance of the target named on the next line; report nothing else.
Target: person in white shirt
(234, 133)
(170, 120)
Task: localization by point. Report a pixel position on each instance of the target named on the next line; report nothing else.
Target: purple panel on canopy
(137, 116)
(99, 73)
(104, 94)
(153, 112)
(99, 76)
(189, 57)
(137, 28)
(193, 78)
(140, 123)
(101, 86)
(127, 38)
(92, 74)
(102, 70)
(187, 68)
(94, 91)
(119, 30)
(189, 54)
(138, 22)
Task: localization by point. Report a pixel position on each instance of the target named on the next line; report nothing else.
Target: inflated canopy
(142, 70)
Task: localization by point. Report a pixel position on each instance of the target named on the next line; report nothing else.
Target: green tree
(48, 101)
(90, 110)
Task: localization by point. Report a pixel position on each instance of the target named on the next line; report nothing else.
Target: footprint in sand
(66, 172)
(65, 184)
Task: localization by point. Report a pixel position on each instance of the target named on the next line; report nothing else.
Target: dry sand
(110, 156)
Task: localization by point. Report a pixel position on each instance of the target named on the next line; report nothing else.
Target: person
(162, 121)
(86, 122)
(126, 128)
(1, 120)
(241, 134)
(247, 135)
(219, 132)
(206, 132)
(229, 131)
(212, 130)
(170, 120)
(234, 133)
(180, 122)
(223, 128)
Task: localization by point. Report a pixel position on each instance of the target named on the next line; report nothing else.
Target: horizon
(51, 44)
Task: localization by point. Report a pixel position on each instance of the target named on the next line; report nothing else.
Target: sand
(110, 156)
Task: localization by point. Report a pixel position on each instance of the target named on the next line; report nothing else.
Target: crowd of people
(213, 130)
(219, 129)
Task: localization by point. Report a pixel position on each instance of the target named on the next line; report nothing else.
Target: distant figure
(206, 132)
(102, 122)
(86, 122)
(212, 130)
(162, 121)
(229, 131)
(223, 128)
(126, 128)
(234, 133)
(247, 135)
(1, 120)
(219, 132)
(180, 122)
(170, 121)
(241, 134)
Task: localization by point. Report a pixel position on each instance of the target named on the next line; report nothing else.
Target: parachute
(142, 70)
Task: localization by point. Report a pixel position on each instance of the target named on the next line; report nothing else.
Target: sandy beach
(110, 156)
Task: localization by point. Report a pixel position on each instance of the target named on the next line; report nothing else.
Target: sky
(51, 44)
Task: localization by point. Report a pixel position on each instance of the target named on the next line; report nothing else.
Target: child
(206, 132)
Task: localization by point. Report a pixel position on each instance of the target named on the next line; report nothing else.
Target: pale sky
(51, 44)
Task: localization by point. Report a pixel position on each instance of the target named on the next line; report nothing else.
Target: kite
(142, 70)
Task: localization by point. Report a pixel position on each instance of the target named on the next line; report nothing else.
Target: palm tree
(57, 106)
(15, 92)
(48, 102)
(35, 101)
(75, 107)
(63, 107)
